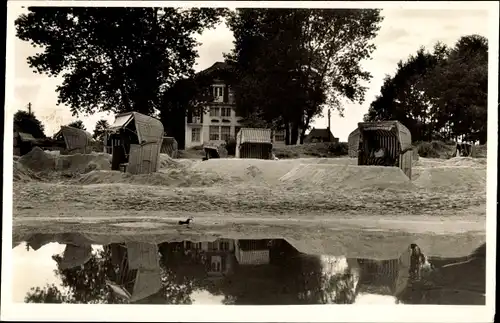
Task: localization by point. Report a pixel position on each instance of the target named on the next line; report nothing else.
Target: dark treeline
(439, 95)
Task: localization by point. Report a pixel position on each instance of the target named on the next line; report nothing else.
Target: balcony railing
(195, 120)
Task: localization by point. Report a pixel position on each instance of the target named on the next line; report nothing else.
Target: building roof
(26, 136)
(217, 66)
(254, 135)
(320, 133)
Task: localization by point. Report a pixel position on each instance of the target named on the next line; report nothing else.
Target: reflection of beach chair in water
(138, 273)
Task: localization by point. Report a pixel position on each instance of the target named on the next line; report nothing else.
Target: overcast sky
(402, 32)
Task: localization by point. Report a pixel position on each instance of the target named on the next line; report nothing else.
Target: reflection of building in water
(253, 252)
(137, 273)
(224, 256)
(217, 256)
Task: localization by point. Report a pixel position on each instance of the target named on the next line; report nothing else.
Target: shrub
(319, 149)
(436, 149)
(338, 148)
(479, 151)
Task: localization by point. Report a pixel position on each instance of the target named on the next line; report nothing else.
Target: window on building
(279, 136)
(213, 132)
(214, 112)
(218, 92)
(196, 135)
(236, 130)
(225, 112)
(225, 133)
(230, 94)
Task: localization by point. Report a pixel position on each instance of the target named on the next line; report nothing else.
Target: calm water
(240, 272)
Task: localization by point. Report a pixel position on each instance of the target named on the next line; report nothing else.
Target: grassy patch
(446, 150)
(436, 149)
(321, 149)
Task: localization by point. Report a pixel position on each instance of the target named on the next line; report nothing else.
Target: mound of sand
(20, 173)
(37, 160)
(53, 152)
(168, 162)
(49, 164)
(260, 169)
(83, 163)
(330, 161)
(449, 178)
(173, 178)
(466, 161)
(348, 177)
(429, 162)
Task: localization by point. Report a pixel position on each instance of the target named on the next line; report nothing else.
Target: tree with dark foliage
(28, 123)
(291, 62)
(100, 128)
(402, 97)
(115, 59)
(186, 98)
(440, 95)
(77, 124)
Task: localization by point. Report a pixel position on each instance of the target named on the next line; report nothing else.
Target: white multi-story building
(218, 120)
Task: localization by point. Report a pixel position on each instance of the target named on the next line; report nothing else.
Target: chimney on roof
(29, 107)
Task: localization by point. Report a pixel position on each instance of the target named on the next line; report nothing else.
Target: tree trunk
(304, 128)
(287, 133)
(294, 136)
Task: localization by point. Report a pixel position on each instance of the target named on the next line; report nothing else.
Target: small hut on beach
(136, 141)
(353, 143)
(385, 143)
(254, 143)
(169, 146)
(77, 141)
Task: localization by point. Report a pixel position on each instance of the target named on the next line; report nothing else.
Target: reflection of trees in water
(87, 284)
(182, 273)
(290, 278)
(82, 285)
(48, 294)
(320, 280)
